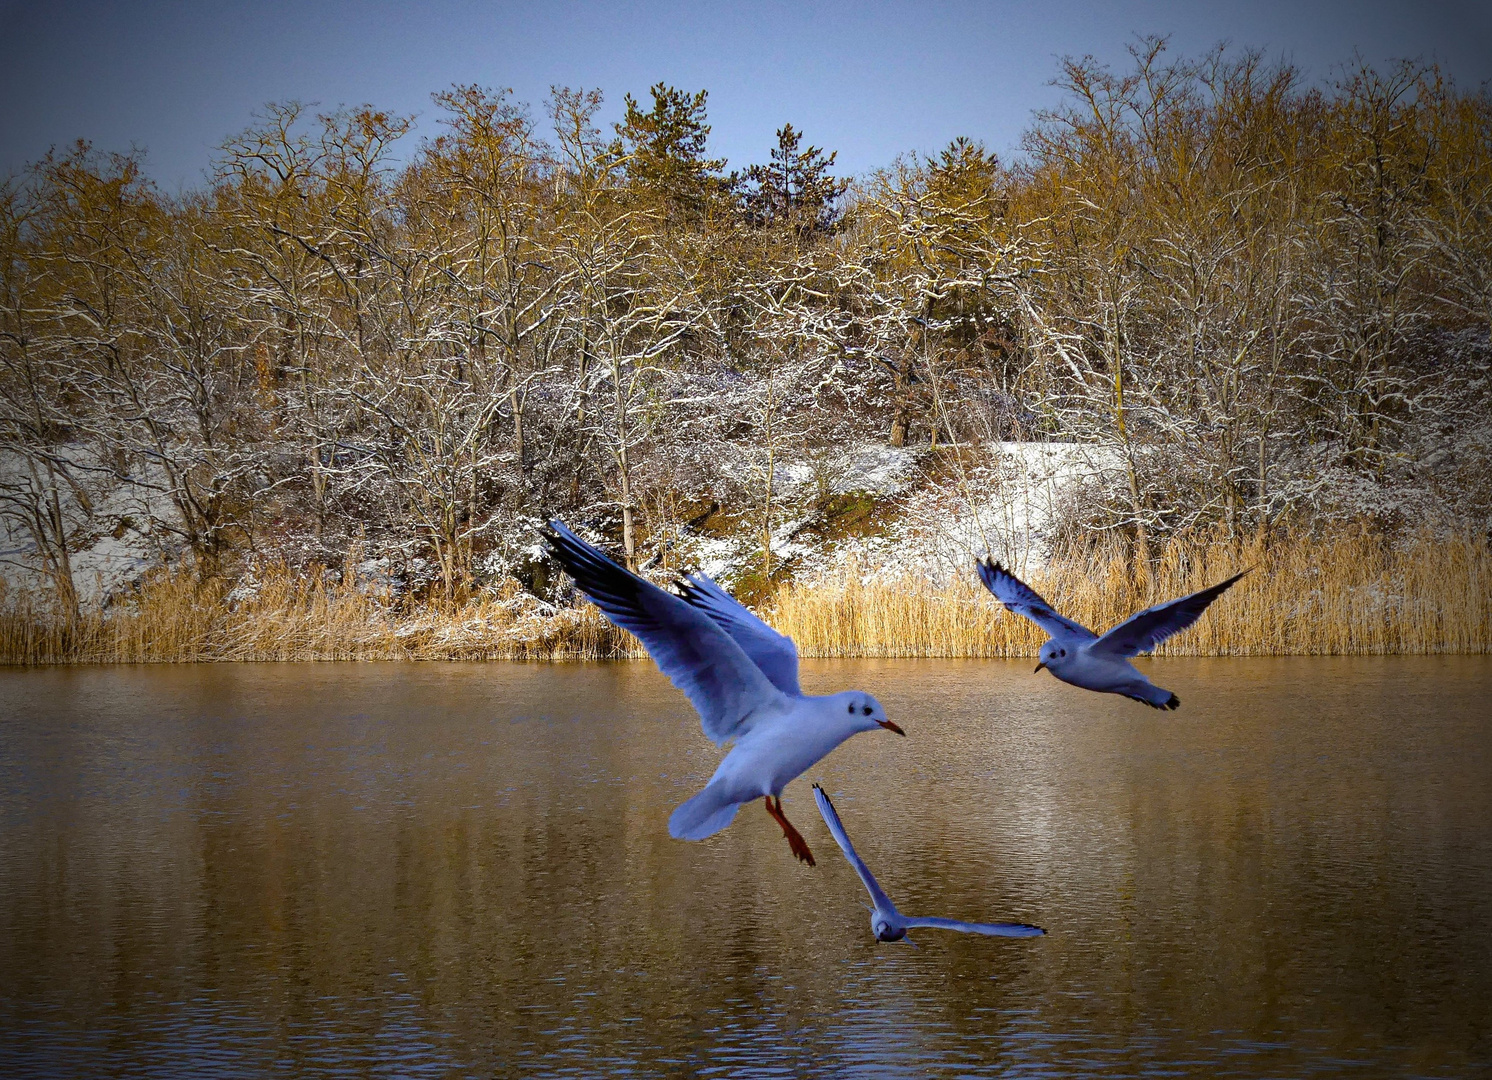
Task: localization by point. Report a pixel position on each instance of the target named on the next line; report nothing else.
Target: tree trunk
(629, 543)
(767, 515)
(67, 591)
(1142, 539)
(515, 402)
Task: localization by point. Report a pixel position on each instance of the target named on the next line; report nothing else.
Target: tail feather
(1156, 698)
(704, 815)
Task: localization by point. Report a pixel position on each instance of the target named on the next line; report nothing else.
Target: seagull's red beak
(1039, 667)
(889, 726)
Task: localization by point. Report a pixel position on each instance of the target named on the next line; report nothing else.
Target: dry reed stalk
(1351, 593)
(176, 617)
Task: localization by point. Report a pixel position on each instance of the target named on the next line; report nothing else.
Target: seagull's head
(883, 930)
(863, 711)
(1052, 655)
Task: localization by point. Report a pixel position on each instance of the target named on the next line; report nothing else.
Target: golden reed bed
(1352, 594)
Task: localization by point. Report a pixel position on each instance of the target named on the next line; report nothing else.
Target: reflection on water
(450, 870)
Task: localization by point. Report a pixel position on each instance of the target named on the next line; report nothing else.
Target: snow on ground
(112, 546)
(868, 467)
(1005, 505)
(112, 561)
(871, 467)
(797, 482)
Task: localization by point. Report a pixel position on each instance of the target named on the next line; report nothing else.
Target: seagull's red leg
(794, 837)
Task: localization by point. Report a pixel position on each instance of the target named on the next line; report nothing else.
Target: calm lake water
(464, 870)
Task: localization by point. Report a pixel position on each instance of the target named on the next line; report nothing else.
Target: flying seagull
(740, 675)
(1078, 656)
(888, 924)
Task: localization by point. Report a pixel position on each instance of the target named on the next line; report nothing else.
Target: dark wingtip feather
(554, 539)
(1223, 586)
(1170, 703)
(990, 571)
(594, 572)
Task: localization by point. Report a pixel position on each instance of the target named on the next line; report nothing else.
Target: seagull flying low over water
(888, 924)
(1078, 656)
(740, 675)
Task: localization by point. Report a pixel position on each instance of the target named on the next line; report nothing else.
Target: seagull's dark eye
(1061, 652)
(868, 710)
(852, 708)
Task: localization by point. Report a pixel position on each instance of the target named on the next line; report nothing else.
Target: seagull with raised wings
(1078, 656)
(740, 675)
(888, 924)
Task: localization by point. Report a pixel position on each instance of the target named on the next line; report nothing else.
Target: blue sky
(869, 79)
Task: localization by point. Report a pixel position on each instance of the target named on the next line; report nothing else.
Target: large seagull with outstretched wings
(740, 675)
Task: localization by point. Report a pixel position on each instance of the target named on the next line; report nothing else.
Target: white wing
(993, 929)
(698, 657)
(1146, 629)
(774, 653)
(1020, 598)
(831, 818)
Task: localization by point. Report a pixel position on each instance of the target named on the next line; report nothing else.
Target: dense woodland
(1270, 298)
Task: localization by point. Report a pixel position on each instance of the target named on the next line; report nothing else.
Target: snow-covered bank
(1005, 502)
(936, 509)
(1003, 499)
(885, 512)
(113, 529)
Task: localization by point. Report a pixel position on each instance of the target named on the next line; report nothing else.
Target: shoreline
(1348, 595)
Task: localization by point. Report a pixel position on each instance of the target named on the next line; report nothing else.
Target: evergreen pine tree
(662, 152)
(795, 189)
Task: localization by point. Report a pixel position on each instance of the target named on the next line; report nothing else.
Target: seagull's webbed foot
(794, 837)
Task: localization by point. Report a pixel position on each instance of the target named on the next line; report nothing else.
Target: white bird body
(1078, 656)
(785, 742)
(740, 675)
(1074, 664)
(886, 922)
(781, 744)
